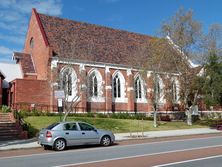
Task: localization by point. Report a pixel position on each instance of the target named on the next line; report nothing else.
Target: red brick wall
(108, 105)
(40, 51)
(31, 91)
(39, 92)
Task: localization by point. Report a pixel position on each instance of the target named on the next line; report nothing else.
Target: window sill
(141, 101)
(71, 99)
(96, 99)
(120, 100)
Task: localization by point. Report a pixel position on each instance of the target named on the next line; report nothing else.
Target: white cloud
(51, 7)
(6, 58)
(5, 51)
(7, 3)
(14, 20)
(15, 39)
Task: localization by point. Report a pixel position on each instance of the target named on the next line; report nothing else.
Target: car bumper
(46, 141)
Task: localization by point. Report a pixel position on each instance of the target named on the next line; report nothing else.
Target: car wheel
(59, 145)
(105, 141)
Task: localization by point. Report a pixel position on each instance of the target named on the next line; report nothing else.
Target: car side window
(70, 126)
(85, 127)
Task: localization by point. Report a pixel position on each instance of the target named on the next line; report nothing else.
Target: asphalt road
(145, 152)
(213, 161)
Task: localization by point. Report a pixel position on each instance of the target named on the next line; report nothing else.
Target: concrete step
(4, 114)
(5, 117)
(9, 129)
(7, 124)
(9, 133)
(5, 120)
(8, 137)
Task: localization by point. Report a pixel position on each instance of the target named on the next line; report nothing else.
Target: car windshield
(52, 126)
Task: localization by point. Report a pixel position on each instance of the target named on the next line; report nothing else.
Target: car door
(89, 134)
(72, 134)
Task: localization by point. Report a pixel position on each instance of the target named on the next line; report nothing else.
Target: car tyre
(105, 141)
(59, 145)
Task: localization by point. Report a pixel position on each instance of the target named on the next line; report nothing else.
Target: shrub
(140, 116)
(37, 113)
(5, 109)
(195, 118)
(101, 115)
(165, 118)
(90, 114)
(32, 132)
(125, 115)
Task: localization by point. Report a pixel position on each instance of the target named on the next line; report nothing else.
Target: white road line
(107, 148)
(191, 160)
(137, 156)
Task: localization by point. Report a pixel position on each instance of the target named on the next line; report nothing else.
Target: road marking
(107, 148)
(191, 160)
(137, 156)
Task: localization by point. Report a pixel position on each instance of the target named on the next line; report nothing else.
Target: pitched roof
(83, 41)
(11, 71)
(71, 40)
(25, 61)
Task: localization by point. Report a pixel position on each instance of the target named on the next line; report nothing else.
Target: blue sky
(141, 16)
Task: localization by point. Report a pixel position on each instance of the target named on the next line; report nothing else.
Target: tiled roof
(88, 42)
(77, 40)
(25, 61)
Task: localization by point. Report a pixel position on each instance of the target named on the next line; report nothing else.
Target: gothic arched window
(116, 87)
(138, 88)
(159, 90)
(174, 91)
(93, 85)
(68, 82)
(31, 42)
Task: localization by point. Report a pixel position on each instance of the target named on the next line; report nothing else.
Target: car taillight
(48, 134)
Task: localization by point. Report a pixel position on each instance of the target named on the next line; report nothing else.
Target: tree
(211, 77)
(68, 83)
(212, 42)
(212, 87)
(185, 35)
(159, 57)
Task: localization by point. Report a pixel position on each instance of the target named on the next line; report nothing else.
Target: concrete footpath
(32, 143)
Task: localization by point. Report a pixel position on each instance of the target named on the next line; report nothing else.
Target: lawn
(115, 125)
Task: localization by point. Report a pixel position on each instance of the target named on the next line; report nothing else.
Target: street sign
(59, 94)
(59, 102)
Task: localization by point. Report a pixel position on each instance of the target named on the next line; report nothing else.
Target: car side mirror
(95, 130)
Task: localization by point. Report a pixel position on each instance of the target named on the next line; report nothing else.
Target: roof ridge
(101, 26)
(41, 26)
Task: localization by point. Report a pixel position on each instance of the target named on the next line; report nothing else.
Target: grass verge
(115, 125)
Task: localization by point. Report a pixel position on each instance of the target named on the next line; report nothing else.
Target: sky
(141, 16)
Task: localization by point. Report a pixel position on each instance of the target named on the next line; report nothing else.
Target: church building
(92, 64)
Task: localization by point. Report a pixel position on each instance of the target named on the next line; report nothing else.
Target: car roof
(73, 122)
